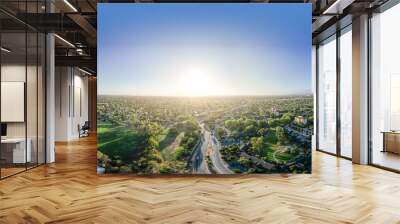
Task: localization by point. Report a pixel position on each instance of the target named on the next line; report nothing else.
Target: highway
(219, 164)
(199, 161)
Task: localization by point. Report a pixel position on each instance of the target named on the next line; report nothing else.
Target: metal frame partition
(0, 92)
(42, 117)
(369, 125)
(337, 29)
(338, 32)
(382, 8)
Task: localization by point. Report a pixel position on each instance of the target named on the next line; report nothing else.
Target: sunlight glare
(195, 83)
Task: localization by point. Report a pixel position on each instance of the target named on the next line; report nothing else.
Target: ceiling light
(84, 71)
(5, 50)
(65, 41)
(331, 7)
(70, 5)
(338, 6)
(79, 51)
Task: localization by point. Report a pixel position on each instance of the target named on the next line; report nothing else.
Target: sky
(204, 49)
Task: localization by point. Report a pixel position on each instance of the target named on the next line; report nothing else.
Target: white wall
(62, 82)
(70, 83)
(80, 109)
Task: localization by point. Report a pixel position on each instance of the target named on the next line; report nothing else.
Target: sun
(195, 82)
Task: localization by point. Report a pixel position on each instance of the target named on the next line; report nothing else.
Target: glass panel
(385, 84)
(31, 88)
(13, 80)
(346, 94)
(31, 98)
(314, 86)
(41, 99)
(327, 96)
(23, 90)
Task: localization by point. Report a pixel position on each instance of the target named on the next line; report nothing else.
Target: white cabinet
(19, 154)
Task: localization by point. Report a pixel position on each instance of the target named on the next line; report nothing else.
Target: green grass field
(120, 141)
(166, 139)
(168, 151)
(114, 141)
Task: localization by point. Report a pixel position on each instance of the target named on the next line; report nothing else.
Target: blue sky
(204, 49)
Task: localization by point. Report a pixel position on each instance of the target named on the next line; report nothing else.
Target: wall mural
(204, 88)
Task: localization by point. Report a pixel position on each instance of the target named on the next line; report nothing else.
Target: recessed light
(70, 5)
(337, 7)
(64, 40)
(84, 71)
(5, 50)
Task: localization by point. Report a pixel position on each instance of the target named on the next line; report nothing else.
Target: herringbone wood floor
(69, 191)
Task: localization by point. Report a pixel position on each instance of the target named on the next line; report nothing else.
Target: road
(219, 164)
(200, 165)
(199, 162)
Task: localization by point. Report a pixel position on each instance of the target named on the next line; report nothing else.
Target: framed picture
(204, 88)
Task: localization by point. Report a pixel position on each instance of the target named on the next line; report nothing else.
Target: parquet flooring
(69, 191)
(8, 171)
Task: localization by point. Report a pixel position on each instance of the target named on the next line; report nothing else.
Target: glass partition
(327, 95)
(385, 89)
(41, 97)
(346, 93)
(22, 78)
(31, 100)
(14, 154)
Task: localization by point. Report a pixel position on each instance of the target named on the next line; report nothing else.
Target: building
(300, 120)
(275, 111)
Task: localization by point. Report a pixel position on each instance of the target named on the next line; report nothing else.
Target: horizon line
(295, 94)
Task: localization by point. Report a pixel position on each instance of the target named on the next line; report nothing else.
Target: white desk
(19, 154)
(391, 141)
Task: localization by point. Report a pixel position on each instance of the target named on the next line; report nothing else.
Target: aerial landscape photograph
(204, 89)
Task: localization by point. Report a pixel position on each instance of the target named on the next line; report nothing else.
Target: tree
(273, 122)
(262, 124)
(173, 131)
(181, 153)
(125, 169)
(262, 131)
(280, 134)
(244, 161)
(232, 124)
(250, 131)
(257, 144)
(102, 159)
(221, 133)
(166, 168)
(286, 118)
